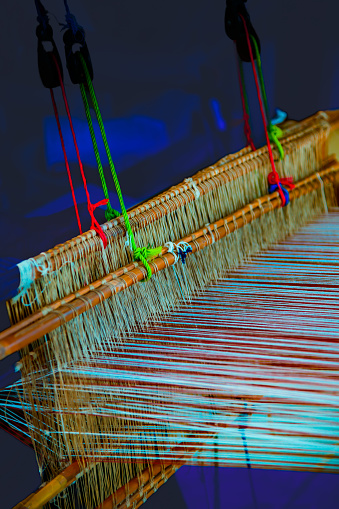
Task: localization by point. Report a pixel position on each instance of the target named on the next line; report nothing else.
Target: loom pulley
(74, 65)
(234, 28)
(47, 56)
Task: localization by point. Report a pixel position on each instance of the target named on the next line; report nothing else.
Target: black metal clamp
(75, 45)
(48, 55)
(234, 27)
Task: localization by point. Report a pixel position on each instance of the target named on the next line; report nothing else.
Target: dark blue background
(165, 78)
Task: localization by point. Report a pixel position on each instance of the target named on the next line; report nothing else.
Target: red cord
(91, 206)
(65, 157)
(247, 127)
(281, 194)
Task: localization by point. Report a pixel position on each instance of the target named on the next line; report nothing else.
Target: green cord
(145, 253)
(274, 132)
(242, 77)
(261, 78)
(110, 213)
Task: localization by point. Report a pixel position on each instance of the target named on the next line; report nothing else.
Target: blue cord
(66, 7)
(42, 14)
(72, 23)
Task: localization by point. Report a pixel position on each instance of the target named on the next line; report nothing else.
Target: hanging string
(323, 193)
(56, 114)
(42, 14)
(270, 153)
(71, 22)
(142, 254)
(90, 206)
(180, 251)
(103, 134)
(110, 213)
(274, 131)
(77, 76)
(254, 350)
(244, 102)
(46, 60)
(50, 70)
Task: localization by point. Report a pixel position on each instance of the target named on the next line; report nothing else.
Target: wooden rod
(140, 486)
(150, 489)
(216, 174)
(50, 490)
(148, 481)
(254, 209)
(60, 312)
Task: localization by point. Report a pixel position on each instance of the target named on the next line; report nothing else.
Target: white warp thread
(194, 187)
(323, 193)
(26, 269)
(27, 273)
(172, 248)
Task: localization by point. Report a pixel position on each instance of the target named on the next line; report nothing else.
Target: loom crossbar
(65, 310)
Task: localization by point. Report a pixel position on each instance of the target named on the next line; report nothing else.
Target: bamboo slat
(139, 489)
(51, 317)
(226, 169)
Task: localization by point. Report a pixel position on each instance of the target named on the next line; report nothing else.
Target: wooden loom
(81, 320)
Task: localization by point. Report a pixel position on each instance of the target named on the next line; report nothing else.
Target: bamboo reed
(51, 317)
(225, 170)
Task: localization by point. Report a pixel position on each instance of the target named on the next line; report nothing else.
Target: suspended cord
(108, 152)
(143, 254)
(42, 14)
(91, 207)
(270, 153)
(67, 8)
(72, 23)
(46, 60)
(65, 157)
(274, 131)
(110, 213)
(245, 107)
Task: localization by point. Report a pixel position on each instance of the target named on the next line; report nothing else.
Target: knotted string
(270, 153)
(144, 254)
(274, 132)
(110, 213)
(183, 251)
(140, 254)
(244, 102)
(90, 206)
(274, 179)
(56, 114)
(179, 251)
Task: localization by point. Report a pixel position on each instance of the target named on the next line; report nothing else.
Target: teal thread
(274, 132)
(142, 254)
